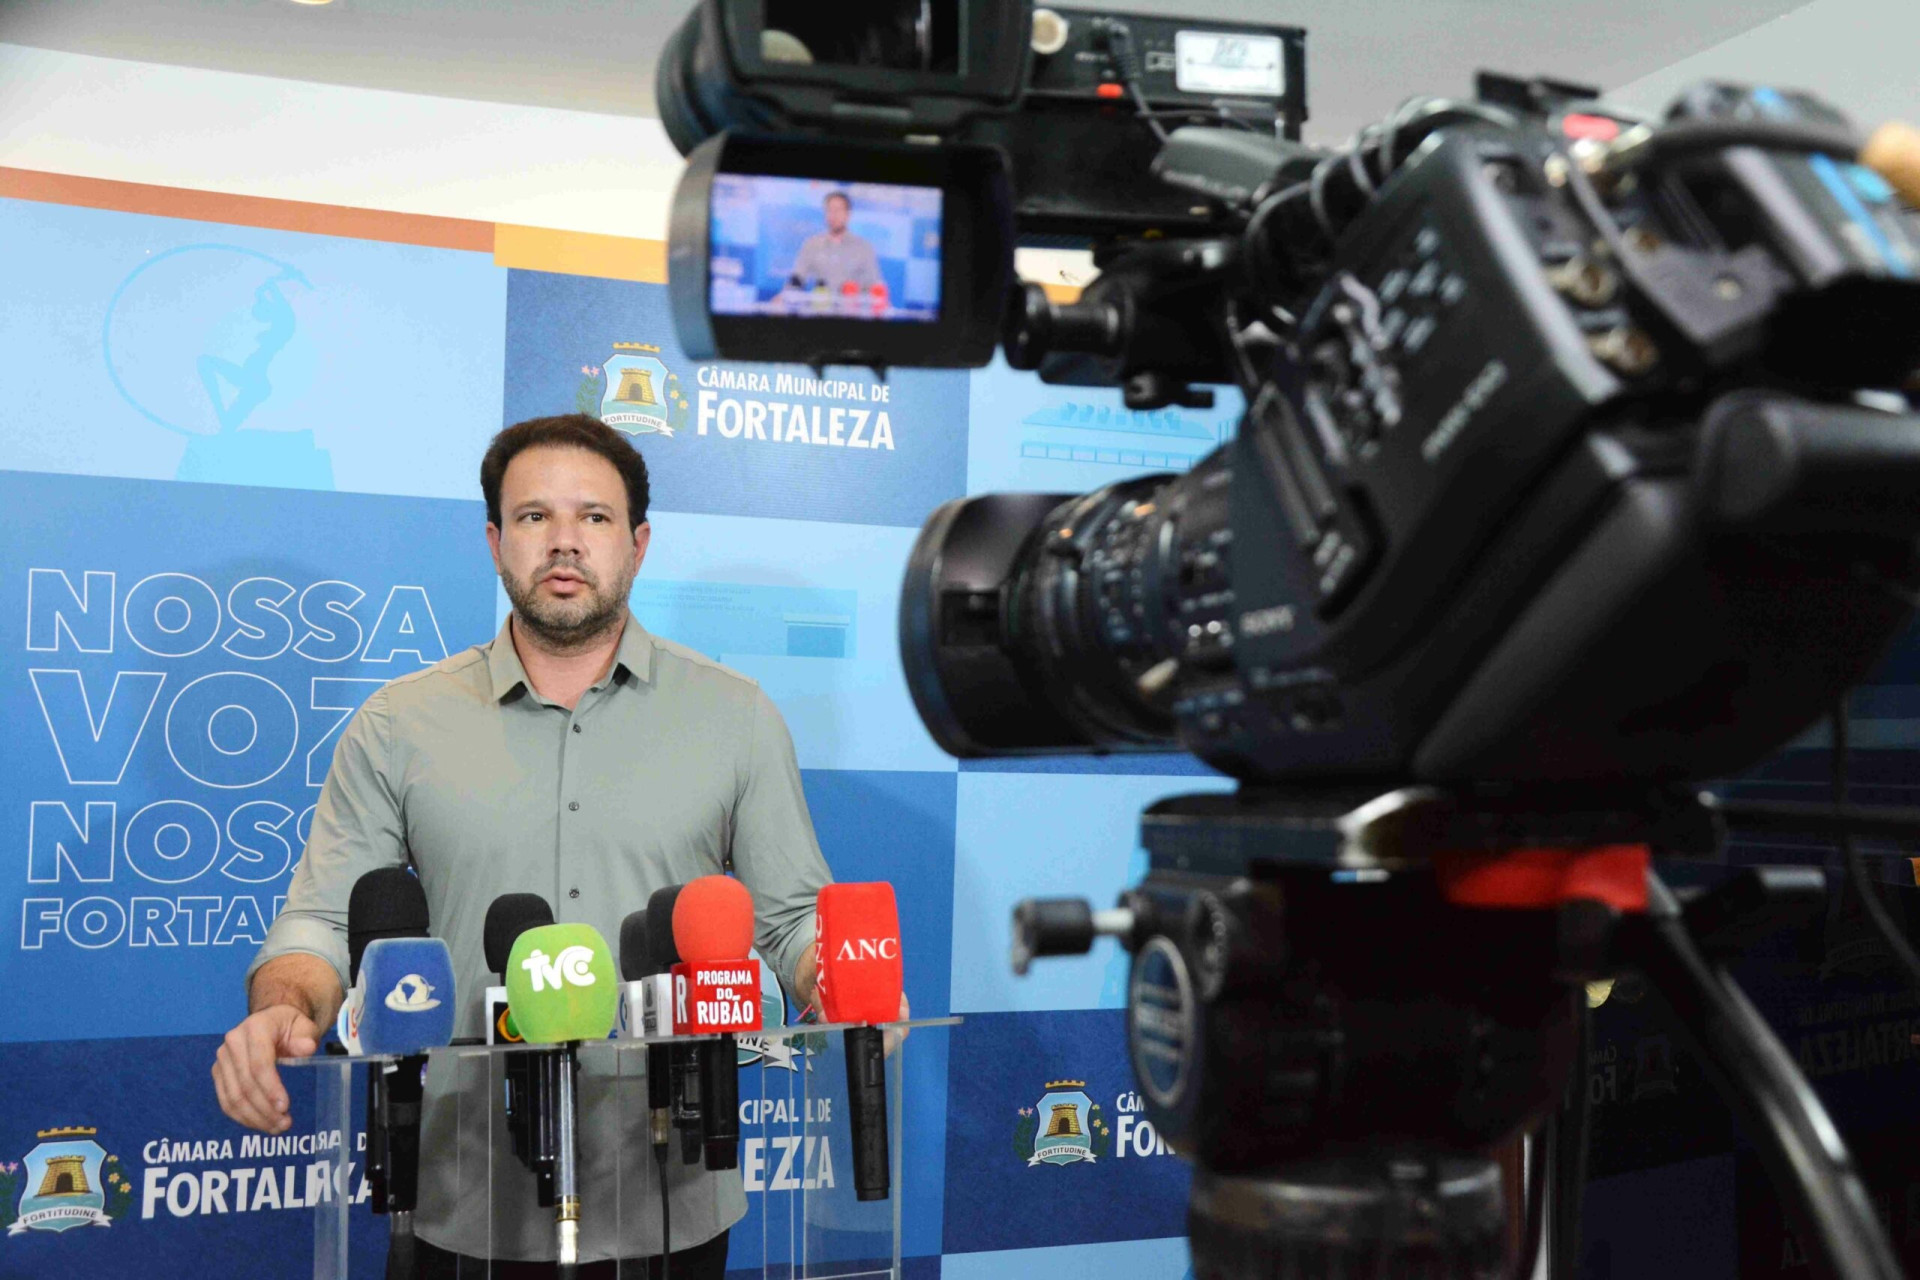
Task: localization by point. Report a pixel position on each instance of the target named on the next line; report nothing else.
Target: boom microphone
(716, 990)
(562, 988)
(857, 932)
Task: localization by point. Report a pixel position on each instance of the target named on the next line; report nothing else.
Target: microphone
(716, 990)
(636, 970)
(562, 988)
(386, 937)
(388, 903)
(410, 1002)
(643, 1008)
(410, 997)
(684, 1072)
(857, 936)
(528, 1080)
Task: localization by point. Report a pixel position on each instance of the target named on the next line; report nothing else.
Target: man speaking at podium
(576, 757)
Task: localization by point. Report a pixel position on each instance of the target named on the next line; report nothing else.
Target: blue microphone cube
(410, 995)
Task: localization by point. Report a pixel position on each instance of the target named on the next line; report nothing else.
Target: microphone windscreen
(713, 920)
(857, 929)
(660, 928)
(561, 984)
(388, 903)
(410, 995)
(636, 949)
(511, 915)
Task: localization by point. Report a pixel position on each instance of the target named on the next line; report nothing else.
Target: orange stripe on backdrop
(580, 253)
(248, 211)
(577, 253)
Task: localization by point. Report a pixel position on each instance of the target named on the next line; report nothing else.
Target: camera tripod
(1339, 1004)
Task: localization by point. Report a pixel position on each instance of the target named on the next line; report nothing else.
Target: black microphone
(530, 1078)
(389, 903)
(637, 964)
(685, 1058)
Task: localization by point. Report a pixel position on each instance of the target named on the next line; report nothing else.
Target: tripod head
(1340, 1007)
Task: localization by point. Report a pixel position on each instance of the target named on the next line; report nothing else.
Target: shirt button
(573, 893)
(576, 728)
(573, 804)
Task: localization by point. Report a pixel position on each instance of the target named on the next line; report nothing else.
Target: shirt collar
(635, 655)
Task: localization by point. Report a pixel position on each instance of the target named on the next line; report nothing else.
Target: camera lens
(1030, 622)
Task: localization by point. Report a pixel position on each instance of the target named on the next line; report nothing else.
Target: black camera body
(1035, 84)
(1492, 514)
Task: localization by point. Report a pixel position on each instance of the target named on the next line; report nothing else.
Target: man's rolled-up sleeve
(357, 828)
(774, 850)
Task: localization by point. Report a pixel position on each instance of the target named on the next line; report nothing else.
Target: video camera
(1578, 467)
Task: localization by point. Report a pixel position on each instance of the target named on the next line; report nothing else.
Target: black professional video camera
(1579, 466)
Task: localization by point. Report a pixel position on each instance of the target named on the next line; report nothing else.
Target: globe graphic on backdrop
(204, 341)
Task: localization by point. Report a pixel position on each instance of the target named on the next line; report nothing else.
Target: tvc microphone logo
(573, 966)
(561, 984)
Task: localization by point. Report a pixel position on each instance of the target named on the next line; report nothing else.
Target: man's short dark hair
(568, 431)
(842, 197)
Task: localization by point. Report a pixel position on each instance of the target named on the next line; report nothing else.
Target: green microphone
(562, 984)
(562, 988)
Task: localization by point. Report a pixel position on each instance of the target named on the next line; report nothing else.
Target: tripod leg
(1825, 1200)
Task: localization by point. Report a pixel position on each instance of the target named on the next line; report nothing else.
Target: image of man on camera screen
(836, 257)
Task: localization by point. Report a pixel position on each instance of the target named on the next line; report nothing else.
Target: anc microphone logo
(887, 948)
(571, 967)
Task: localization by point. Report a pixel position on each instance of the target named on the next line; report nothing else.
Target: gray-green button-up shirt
(670, 767)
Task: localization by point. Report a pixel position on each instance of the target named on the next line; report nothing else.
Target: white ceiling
(598, 55)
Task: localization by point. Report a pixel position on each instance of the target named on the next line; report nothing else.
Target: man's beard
(564, 625)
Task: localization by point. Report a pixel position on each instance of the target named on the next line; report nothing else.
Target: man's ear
(642, 537)
(493, 544)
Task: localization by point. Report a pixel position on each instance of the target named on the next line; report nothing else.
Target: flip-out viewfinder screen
(808, 247)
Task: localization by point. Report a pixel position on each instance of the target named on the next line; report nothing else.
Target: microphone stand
(566, 1187)
(720, 1114)
(402, 1104)
(660, 1100)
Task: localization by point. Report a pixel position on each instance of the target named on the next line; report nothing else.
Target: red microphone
(857, 928)
(857, 940)
(716, 991)
(716, 985)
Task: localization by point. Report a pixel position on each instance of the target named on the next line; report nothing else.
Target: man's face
(836, 214)
(565, 552)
